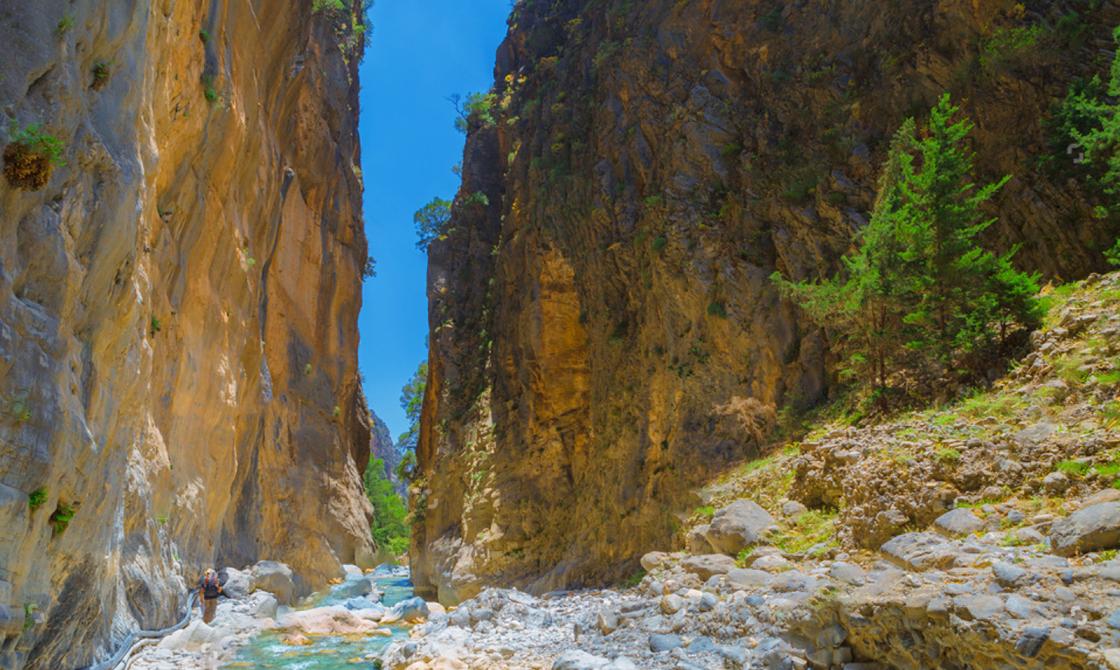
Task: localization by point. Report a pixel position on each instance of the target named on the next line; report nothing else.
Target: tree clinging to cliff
(919, 292)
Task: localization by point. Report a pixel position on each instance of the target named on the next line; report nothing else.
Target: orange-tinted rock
(178, 312)
(604, 333)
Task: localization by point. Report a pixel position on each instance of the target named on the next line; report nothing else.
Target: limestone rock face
(178, 307)
(603, 330)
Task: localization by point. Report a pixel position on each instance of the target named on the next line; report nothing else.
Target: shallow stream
(267, 652)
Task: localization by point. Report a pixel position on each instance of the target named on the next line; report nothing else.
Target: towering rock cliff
(178, 308)
(603, 330)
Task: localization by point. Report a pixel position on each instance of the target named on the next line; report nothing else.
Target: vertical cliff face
(603, 330)
(178, 309)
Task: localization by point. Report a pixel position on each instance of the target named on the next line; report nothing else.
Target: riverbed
(267, 651)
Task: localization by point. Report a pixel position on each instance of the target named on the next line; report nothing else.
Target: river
(266, 651)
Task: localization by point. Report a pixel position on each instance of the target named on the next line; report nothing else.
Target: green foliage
(389, 528)
(412, 402)
(659, 243)
(36, 498)
(34, 139)
(606, 51)
(204, 35)
(1005, 46)
(208, 89)
(1085, 131)
(477, 199)
(29, 615)
(919, 290)
(947, 455)
(319, 6)
(61, 517)
(717, 308)
(1113, 254)
(154, 327)
(101, 72)
(432, 222)
(477, 111)
(369, 268)
(64, 25)
(634, 579)
(705, 511)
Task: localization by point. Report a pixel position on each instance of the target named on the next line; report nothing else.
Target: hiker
(209, 588)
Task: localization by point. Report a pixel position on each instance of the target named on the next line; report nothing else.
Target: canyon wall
(178, 311)
(603, 331)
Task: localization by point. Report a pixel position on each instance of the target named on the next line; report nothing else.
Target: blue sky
(422, 51)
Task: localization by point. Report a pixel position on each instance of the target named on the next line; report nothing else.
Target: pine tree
(920, 292)
(867, 309)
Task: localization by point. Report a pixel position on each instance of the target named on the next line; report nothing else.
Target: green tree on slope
(390, 531)
(919, 292)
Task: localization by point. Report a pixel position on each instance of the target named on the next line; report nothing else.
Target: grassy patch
(705, 511)
(634, 579)
(743, 556)
(813, 530)
(36, 498)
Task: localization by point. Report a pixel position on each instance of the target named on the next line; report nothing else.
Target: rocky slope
(603, 331)
(981, 534)
(178, 309)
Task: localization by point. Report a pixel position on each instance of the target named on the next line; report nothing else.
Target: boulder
(659, 642)
(791, 509)
(748, 578)
(235, 583)
(410, 610)
(920, 551)
(274, 577)
(672, 603)
(574, 659)
(1092, 528)
(960, 521)
(653, 559)
(739, 525)
(607, 621)
(1008, 574)
(711, 564)
(331, 620)
(696, 542)
(265, 606)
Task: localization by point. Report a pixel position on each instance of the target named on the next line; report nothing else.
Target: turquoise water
(267, 652)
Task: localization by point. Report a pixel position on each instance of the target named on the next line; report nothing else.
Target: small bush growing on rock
(36, 498)
(204, 35)
(101, 71)
(319, 6)
(61, 517)
(30, 157)
(717, 308)
(476, 112)
(947, 455)
(432, 222)
(155, 326)
(64, 25)
(208, 89)
(660, 242)
(369, 268)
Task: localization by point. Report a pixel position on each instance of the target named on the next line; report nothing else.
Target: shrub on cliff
(431, 222)
(30, 156)
(919, 294)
